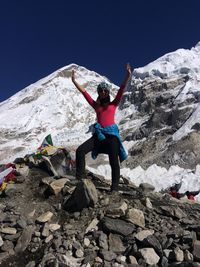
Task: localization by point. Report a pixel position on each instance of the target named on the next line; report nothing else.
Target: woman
(106, 138)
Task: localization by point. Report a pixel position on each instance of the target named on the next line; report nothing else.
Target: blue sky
(41, 36)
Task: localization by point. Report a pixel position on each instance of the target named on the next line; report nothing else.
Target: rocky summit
(49, 221)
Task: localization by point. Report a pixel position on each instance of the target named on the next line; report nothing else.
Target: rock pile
(83, 224)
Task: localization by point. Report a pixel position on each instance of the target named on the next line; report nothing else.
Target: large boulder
(84, 196)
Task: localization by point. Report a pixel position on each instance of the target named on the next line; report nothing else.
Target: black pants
(109, 146)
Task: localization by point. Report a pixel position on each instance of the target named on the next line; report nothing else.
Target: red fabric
(8, 165)
(10, 177)
(105, 115)
(174, 194)
(191, 197)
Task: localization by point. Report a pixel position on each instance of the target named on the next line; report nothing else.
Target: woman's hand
(128, 75)
(78, 86)
(129, 69)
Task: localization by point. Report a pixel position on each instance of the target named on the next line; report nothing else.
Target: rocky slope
(47, 222)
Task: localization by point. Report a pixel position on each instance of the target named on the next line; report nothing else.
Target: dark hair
(103, 101)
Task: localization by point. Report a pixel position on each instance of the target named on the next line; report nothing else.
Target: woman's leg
(81, 151)
(113, 153)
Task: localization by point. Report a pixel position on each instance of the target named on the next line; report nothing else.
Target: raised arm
(82, 90)
(128, 75)
(78, 86)
(123, 84)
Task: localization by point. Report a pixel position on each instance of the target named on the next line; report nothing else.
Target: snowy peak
(179, 62)
(165, 125)
(197, 47)
(51, 105)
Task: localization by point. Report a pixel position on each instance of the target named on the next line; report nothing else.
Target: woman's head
(103, 86)
(103, 90)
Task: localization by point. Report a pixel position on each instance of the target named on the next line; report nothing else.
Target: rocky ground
(49, 222)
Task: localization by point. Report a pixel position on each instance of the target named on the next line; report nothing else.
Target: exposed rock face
(162, 112)
(106, 229)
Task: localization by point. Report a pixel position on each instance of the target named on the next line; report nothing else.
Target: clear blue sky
(41, 36)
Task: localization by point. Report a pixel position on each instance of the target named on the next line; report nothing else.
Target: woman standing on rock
(106, 138)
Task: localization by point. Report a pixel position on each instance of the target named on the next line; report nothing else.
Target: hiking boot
(114, 189)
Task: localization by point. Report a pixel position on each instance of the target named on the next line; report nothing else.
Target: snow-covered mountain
(160, 121)
(159, 116)
(166, 96)
(50, 106)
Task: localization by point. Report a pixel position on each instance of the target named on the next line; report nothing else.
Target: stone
(107, 255)
(45, 217)
(98, 260)
(173, 211)
(3, 256)
(11, 189)
(132, 260)
(147, 187)
(196, 250)
(117, 226)
(1, 241)
(136, 217)
(48, 239)
(103, 240)
(79, 253)
(8, 230)
(54, 227)
(86, 242)
(152, 241)
(149, 255)
(21, 223)
(92, 226)
(188, 256)
(179, 255)
(31, 264)
(116, 210)
(7, 246)
(143, 234)
(24, 239)
(116, 244)
(45, 230)
(148, 203)
(57, 185)
(121, 259)
(84, 196)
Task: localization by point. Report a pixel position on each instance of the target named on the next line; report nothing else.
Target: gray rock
(24, 239)
(143, 234)
(116, 210)
(1, 241)
(107, 255)
(116, 244)
(21, 223)
(117, 226)
(45, 217)
(7, 246)
(84, 196)
(136, 217)
(196, 250)
(147, 187)
(149, 256)
(30, 264)
(103, 240)
(152, 241)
